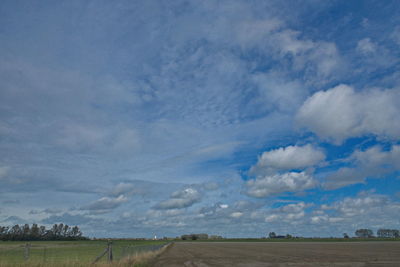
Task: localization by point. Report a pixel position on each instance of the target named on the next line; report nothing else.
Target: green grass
(65, 253)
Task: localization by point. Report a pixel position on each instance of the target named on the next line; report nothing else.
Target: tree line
(382, 233)
(36, 232)
(361, 233)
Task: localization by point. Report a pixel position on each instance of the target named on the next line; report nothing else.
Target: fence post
(109, 249)
(26, 252)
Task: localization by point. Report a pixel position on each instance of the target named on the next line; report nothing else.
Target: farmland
(69, 253)
(205, 254)
(225, 252)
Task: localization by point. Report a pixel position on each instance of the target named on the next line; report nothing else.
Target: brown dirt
(203, 254)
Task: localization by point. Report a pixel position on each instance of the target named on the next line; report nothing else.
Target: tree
(396, 233)
(4, 235)
(345, 235)
(75, 232)
(364, 233)
(15, 232)
(60, 230)
(65, 231)
(27, 233)
(272, 235)
(42, 231)
(34, 234)
(387, 233)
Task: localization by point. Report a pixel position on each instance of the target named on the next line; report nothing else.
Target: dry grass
(142, 259)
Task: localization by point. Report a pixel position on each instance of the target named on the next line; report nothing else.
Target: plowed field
(203, 254)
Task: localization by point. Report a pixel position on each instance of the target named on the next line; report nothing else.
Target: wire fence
(62, 252)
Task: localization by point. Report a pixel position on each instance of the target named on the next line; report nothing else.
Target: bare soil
(203, 254)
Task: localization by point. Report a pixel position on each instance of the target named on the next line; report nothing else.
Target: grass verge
(143, 259)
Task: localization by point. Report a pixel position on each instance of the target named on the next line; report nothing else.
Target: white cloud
(106, 203)
(374, 55)
(289, 213)
(272, 218)
(185, 87)
(236, 214)
(180, 199)
(277, 93)
(350, 207)
(366, 46)
(327, 60)
(364, 210)
(371, 163)
(341, 112)
(287, 158)
(279, 183)
(376, 156)
(122, 188)
(319, 57)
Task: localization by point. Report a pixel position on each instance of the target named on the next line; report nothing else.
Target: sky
(233, 118)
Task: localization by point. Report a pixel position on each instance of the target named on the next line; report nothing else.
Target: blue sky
(236, 118)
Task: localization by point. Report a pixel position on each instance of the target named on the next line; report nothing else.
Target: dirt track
(203, 254)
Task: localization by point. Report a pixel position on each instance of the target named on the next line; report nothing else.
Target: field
(227, 252)
(203, 254)
(69, 253)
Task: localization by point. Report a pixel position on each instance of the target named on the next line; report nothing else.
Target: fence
(83, 252)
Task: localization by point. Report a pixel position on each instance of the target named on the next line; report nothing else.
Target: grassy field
(68, 253)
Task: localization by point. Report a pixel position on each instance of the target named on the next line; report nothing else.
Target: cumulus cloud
(280, 183)
(373, 162)
(350, 207)
(365, 209)
(289, 213)
(271, 171)
(288, 158)
(180, 199)
(225, 213)
(341, 112)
